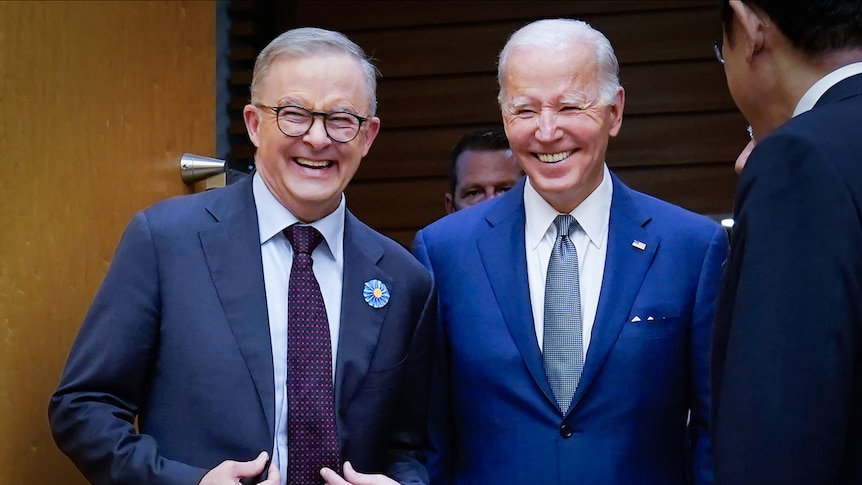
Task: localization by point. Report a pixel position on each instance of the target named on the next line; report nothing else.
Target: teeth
(553, 157)
(312, 163)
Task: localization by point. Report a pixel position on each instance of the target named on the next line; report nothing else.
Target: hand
(353, 477)
(229, 472)
(743, 157)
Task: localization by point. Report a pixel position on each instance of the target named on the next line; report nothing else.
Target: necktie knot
(303, 238)
(566, 225)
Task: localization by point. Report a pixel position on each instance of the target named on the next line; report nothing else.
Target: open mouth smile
(553, 157)
(315, 164)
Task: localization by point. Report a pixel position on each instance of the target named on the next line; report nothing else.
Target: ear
(372, 127)
(751, 31)
(252, 124)
(449, 203)
(617, 112)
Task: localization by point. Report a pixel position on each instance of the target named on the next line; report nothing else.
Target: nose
(316, 135)
(546, 126)
(492, 192)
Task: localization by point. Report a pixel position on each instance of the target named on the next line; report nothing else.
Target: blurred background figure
(481, 167)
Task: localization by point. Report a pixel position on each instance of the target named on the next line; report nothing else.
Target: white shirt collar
(592, 214)
(810, 98)
(272, 218)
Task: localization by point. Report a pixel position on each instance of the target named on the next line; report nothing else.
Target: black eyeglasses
(293, 121)
(717, 46)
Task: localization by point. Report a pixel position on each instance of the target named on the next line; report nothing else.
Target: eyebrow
(519, 103)
(291, 101)
(577, 99)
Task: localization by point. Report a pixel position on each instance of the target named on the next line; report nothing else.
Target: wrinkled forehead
(569, 74)
(338, 72)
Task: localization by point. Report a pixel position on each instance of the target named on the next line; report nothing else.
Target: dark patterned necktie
(563, 341)
(311, 430)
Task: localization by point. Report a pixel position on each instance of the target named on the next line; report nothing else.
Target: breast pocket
(385, 378)
(652, 323)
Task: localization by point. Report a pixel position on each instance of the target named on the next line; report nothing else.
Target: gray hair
(561, 34)
(306, 41)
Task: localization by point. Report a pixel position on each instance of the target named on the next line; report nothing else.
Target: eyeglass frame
(325, 115)
(717, 47)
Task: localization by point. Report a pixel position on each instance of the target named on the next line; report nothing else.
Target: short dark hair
(482, 140)
(812, 26)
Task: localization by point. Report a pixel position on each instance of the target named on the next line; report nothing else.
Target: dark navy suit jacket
(494, 416)
(788, 333)
(178, 336)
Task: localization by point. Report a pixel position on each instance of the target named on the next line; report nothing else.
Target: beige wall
(97, 102)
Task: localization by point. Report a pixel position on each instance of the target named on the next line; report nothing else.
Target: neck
(795, 73)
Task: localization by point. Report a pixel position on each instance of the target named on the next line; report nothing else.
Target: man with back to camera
(575, 313)
(262, 316)
(481, 167)
(787, 365)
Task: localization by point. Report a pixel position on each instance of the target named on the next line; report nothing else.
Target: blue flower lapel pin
(376, 294)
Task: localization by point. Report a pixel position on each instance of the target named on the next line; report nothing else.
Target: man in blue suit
(646, 279)
(787, 368)
(191, 331)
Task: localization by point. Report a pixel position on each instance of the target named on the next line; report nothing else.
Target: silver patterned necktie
(563, 340)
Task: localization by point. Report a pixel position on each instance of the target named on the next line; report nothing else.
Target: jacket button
(566, 431)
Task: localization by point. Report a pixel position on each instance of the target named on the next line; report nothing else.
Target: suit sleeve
(438, 449)
(409, 432)
(103, 386)
(701, 463)
(787, 385)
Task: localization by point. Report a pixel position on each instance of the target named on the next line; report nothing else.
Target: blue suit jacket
(788, 332)
(178, 336)
(494, 419)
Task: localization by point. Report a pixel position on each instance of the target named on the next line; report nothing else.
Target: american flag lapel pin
(639, 245)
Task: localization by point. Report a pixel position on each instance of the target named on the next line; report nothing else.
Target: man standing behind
(787, 383)
(263, 315)
(481, 167)
(576, 313)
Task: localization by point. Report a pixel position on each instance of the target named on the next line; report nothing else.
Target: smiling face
(308, 173)
(557, 125)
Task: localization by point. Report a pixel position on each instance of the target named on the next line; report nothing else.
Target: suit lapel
(360, 322)
(502, 249)
(232, 252)
(625, 267)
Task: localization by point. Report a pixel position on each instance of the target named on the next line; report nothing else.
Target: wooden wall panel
(98, 100)
(438, 63)
(471, 48)
(352, 15)
(650, 89)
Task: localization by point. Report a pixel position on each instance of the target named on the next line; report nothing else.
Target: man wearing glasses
(787, 361)
(261, 321)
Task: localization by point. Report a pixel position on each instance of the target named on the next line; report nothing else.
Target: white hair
(561, 34)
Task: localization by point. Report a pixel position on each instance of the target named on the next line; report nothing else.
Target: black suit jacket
(787, 362)
(178, 336)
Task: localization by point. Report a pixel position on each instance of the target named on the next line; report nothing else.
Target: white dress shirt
(590, 240)
(818, 89)
(277, 253)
